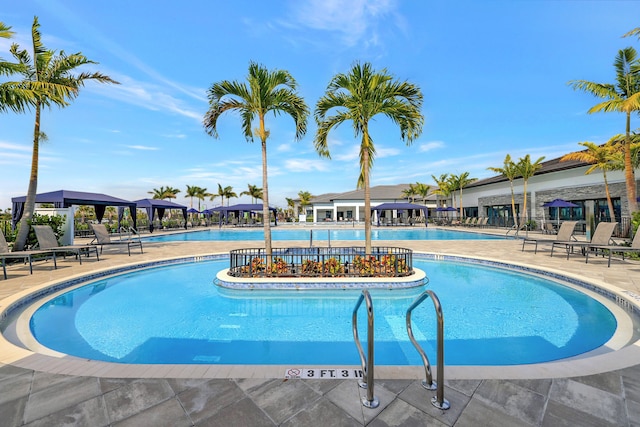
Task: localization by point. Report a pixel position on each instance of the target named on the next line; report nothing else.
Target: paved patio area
(52, 394)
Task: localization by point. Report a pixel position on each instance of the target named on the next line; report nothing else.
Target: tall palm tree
(15, 95)
(623, 96)
(359, 96)
(254, 192)
(192, 191)
(457, 183)
(510, 171)
(600, 157)
(422, 190)
(58, 85)
(291, 203)
(305, 200)
(267, 92)
(526, 170)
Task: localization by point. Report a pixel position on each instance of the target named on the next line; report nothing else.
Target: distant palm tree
(224, 192)
(192, 191)
(444, 189)
(291, 203)
(458, 182)
(526, 170)
(267, 92)
(409, 193)
(359, 96)
(254, 192)
(623, 96)
(510, 171)
(600, 157)
(57, 85)
(305, 200)
(422, 190)
(164, 193)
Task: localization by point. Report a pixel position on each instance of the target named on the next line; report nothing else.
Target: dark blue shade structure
(401, 206)
(66, 198)
(160, 206)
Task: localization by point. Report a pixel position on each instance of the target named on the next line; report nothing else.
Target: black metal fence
(322, 262)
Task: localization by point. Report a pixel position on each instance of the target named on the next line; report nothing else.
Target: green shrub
(55, 222)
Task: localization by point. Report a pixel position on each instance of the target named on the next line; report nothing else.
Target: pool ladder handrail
(428, 383)
(370, 401)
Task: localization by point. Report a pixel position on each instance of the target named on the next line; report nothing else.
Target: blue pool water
(175, 314)
(416, 233)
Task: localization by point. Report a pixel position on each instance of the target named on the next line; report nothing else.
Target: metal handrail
(438, 400)
(367, 362)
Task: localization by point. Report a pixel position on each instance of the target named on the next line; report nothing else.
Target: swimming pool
(492, 317)
(421, 233)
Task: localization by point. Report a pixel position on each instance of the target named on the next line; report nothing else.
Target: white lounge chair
(564, 236)
(601, 237)
(611, 249)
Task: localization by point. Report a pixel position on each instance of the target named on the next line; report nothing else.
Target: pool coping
(591, 363)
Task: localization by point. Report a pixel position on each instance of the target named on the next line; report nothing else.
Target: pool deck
(41, 390)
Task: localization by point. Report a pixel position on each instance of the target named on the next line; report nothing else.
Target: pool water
(417, 233)
(175, 314)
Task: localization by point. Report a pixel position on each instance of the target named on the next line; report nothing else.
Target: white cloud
(305, 165)
(432, 145)
(142, 147)
(354, 20)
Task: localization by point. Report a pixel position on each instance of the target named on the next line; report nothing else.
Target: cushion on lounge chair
(104, 239)
(47, 241)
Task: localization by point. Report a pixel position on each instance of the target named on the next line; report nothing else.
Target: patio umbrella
(192, 210)
(559, 203)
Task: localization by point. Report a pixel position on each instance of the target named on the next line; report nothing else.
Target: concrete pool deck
(45, 390)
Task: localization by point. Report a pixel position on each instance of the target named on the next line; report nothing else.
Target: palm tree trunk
(266, 215)
(513, 207)
(30, 202)
(524, 204)
(629, 174)
(367, 195)
(612, 213)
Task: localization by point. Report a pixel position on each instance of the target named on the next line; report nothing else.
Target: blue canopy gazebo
(402, 206)
(160, 206)
(243, 207)
(66, 199)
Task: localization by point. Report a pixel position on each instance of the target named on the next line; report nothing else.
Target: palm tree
(622, 97)
(164, 193)
(359, 96)
(224, 192)
(443, 189)
(58, 86)
(254, 192)
(458, 182)
(291, 203)
(305, 200)
(18, 96)
(409, 193)
(192, 191)
(422, 190)
(510, 171)
(526, 170)
(268, 92)
(600, 157)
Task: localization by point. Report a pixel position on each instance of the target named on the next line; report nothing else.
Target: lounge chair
(25, 256)
(564, 236)
(104, 239)
(47, 241)
(635, 247)
(601, 237)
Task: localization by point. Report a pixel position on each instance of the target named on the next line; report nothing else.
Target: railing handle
(367, 363)
(438, 400)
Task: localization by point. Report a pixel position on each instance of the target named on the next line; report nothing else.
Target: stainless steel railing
(370, 401)
(438, 400)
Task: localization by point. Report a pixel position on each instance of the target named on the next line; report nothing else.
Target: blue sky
(493, 73)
